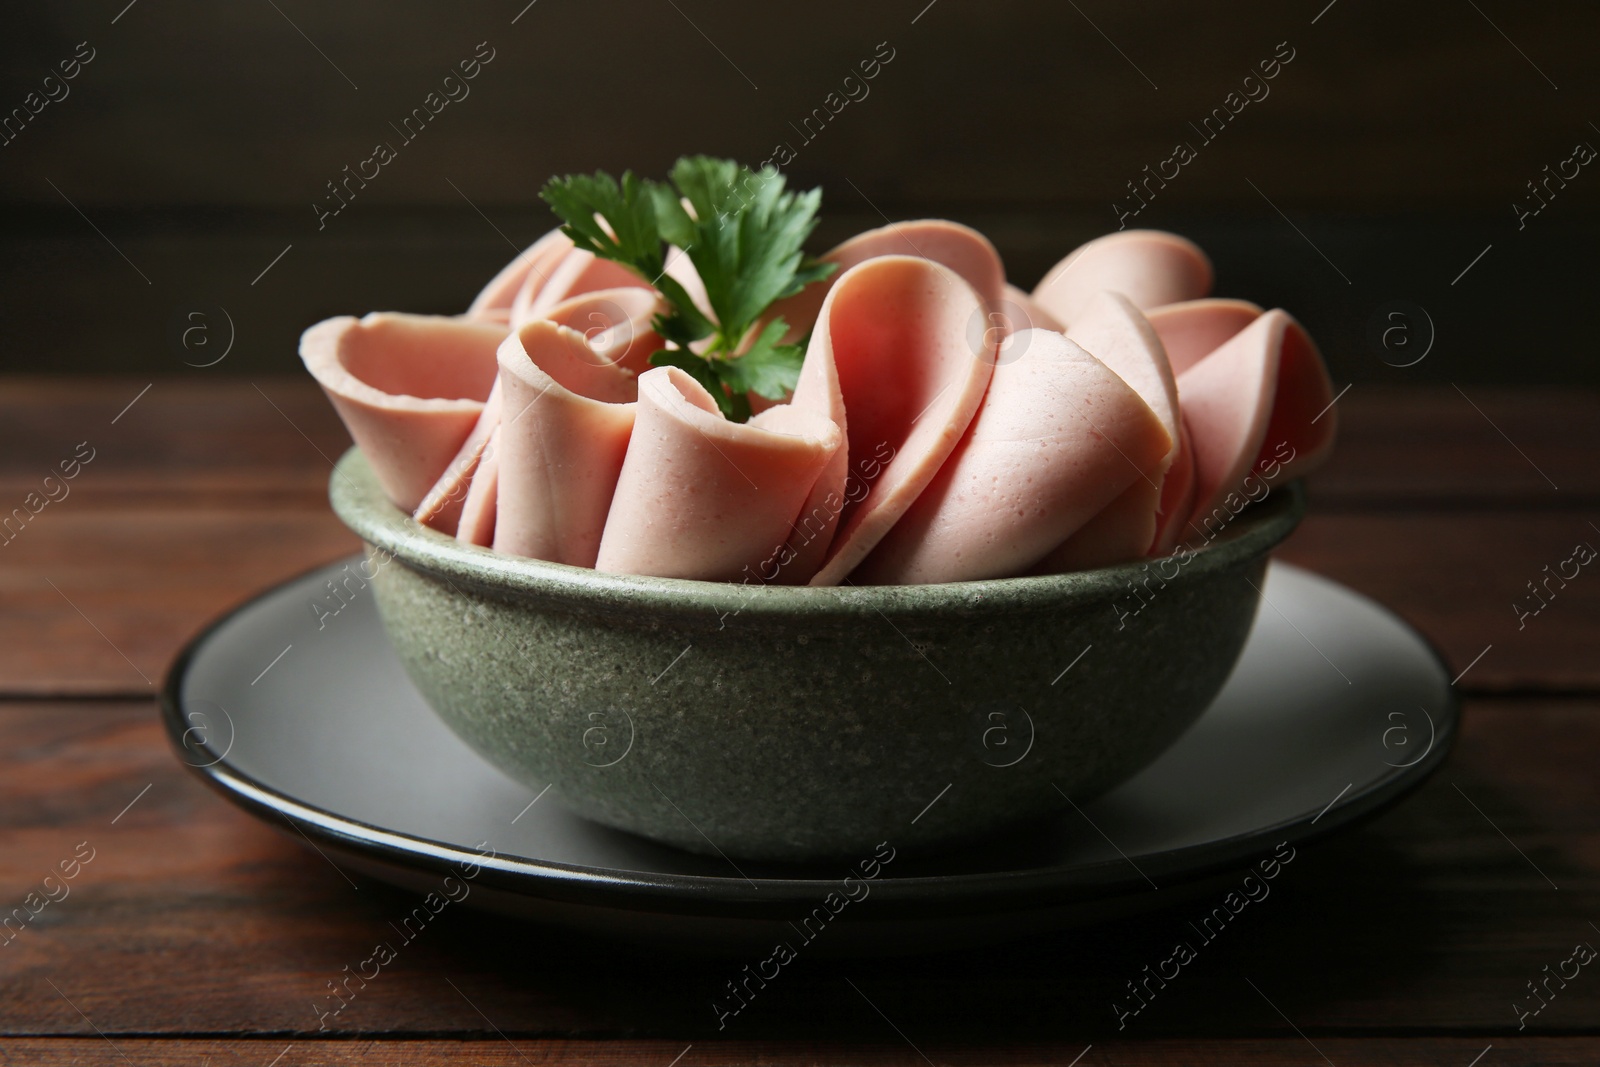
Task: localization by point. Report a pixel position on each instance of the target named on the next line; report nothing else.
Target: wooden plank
(1415, 448)
(505, 1052)
(184, 442)
(1462, 578)
(192, 917)
(99, 602)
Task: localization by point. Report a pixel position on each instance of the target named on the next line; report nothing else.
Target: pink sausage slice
(1058, 438)
(961, 248)
(1112, 329)
(493, 303)
(1149, 267)
(1022, 312)
(818, 392)
(409, 388)
(565, 418)
(681, 269)
(616, 325)
(906, 337)
(441, 507)
(1259, 405)
(576, 273)
(1193, 329)
(1303, 413)
(705, 498)
(1112, 536)
(481, 506)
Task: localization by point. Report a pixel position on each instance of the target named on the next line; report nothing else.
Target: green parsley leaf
(630, 211)
(734, 405)
(745, 234)
(684, 324)
(766, 368)
(749, 234)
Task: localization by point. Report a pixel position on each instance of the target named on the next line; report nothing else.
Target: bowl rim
(361, 504)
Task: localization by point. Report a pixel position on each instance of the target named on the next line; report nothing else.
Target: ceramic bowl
(809, 724)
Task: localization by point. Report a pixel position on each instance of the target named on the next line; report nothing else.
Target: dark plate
(1335, 710)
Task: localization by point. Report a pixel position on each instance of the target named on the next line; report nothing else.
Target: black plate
(308, 721)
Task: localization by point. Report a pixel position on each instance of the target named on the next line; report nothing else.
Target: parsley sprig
(744, 233)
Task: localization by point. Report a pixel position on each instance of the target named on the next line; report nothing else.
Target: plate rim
(718, 895)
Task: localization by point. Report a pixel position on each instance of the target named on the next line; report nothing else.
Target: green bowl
(803, 724)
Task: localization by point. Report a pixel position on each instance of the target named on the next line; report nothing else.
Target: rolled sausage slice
(544, 274)
(565, 418)
(616, 325)
(1149, 267)
(409, 388)
(1193, 329)
(1259, 410)
(493, 303)
(1113, 330)
(961, 248)
(815, 526)
(705, 498)
(909, 342)
(1058, 438)
(480, 508)
(574, 274)
(441, 507)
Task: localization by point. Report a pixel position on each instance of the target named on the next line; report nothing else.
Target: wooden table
(196, 934)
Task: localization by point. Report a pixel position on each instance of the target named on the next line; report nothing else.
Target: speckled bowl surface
(801, 724)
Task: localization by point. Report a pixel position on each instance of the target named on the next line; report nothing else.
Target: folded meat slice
(1107, 538)
(1022, 312)
(1178, 491)
(409, 388)
(565, 418)
(912, 358)
(1149, 267)
(576, 273)
(493, 303)
(817, 391)
(441, 507)
(705, 498)
(1058, 438)
(681, 269)
(1193, 329)
(616, 325)
(961, 248)
(1113, 330)
(1156, 504)
(1258, 405)
(480, 508)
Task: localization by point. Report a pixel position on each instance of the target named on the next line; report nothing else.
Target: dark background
(1387, 156)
